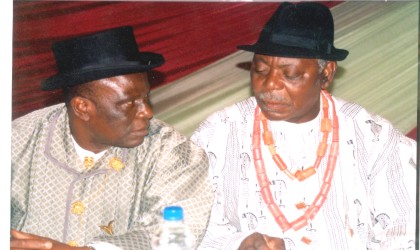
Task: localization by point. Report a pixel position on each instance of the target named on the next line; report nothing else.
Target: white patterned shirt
(371, 203)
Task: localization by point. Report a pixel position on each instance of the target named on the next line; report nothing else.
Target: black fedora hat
(299, 30)
(100, 55)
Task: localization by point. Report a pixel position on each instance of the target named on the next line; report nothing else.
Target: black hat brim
(293, 52)
(147, 62)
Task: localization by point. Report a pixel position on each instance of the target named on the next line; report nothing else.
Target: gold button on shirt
(88, 162)
(72, 243)
(116, 164)
(77, 208)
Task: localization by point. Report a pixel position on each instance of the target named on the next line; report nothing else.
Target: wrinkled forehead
(123, 85)
(122, 81)
(277, 60)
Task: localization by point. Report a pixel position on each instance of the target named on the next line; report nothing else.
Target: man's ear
(328, 74)
(81, 107)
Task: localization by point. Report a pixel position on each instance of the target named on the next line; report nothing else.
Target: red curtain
(189, 35)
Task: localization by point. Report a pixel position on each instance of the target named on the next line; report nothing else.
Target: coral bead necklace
(326, 126)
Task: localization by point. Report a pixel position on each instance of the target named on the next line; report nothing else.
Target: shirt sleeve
(221, 234)
(393, 197)
(178, 176)
(388, 160)
(222, 231)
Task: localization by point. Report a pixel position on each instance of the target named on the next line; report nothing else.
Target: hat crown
(302, 30)
(306, 25)
(102, 48)
(99, 55)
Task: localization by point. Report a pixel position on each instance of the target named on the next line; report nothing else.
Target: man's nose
(274, 80)
(145, 110)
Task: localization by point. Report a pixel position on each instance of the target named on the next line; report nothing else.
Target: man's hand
(257, 241)
(23, 241)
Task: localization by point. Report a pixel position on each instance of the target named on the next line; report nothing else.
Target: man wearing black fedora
(297, 168)
(96, 171)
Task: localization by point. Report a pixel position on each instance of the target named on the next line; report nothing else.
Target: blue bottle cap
(173, 213)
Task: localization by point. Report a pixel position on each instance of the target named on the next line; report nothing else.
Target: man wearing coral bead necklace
(296, 168)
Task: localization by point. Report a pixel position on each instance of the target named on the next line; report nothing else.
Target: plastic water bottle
(173, 233)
